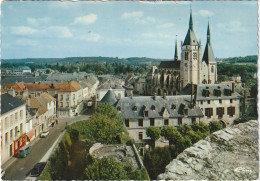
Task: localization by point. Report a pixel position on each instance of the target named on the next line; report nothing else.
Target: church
(170, 77)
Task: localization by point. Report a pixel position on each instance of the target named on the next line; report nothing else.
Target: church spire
(208, 34)
(176, 50)
(190, 38)
(191, 21)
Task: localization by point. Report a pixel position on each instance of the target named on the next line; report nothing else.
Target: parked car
(2, 173)
(24, 151)
(37, 169)
(44, 134)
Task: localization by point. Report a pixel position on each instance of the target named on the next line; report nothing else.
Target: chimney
(164, 95)
(11, 92)
(154, 97)
(233, 87)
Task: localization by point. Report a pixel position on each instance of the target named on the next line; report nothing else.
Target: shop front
(30, 135)
(19, 143)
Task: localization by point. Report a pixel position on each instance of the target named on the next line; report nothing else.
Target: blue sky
(124, 29)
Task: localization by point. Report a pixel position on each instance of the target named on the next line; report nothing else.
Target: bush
(215, 126)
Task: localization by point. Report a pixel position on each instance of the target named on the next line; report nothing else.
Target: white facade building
(13, 119)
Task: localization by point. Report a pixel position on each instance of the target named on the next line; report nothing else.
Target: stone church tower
(190, 58)
(170, 77)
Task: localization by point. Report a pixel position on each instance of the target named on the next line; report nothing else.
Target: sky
(37, 29)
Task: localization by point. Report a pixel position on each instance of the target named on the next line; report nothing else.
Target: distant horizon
(43, 29)
(113, 57)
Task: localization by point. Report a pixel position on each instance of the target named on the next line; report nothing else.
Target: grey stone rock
(209, 158)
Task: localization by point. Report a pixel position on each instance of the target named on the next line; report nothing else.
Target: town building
(217, 101)
(13, 119)
(171, 77)
(117, 88)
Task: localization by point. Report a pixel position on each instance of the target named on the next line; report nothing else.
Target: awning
(30, 134)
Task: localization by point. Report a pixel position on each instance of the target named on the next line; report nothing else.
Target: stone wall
(231, 154)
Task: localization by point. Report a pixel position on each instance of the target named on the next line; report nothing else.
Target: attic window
(186, 111)
(205, 93)
(146, 113)
(119, 108)
(173, 106)
(217, 92)
(135, 108)
(228, 92)
(153, 107)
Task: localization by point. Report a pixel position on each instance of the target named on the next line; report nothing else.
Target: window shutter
(234, 110)
(211, 111)
(223, 110)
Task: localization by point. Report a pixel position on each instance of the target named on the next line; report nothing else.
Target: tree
(156, 160)
(171, 134)
(154, 133)
(215, 126)
(201, 128)
(184, 129)
(105, 169)
(106, 126)
(254, 91)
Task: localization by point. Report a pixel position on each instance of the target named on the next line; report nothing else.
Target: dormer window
(173, 106)
(217, 92)
(228, 92)
(185, 111)
(146, 113)
(205, 93)
(119, 108)
(135, 108)
(153, 107)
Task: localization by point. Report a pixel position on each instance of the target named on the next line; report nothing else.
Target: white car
(44, 134)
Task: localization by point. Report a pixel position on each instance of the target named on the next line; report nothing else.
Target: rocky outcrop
(231, 154)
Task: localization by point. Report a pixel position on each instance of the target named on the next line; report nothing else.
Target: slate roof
(83, 84)
(145, 103)
(200, 88)
(170, 64)
(8, 103)
(22, 78)
(110, 97)
(65, 77)
(208, 55)
(92, 79)
(190, 38)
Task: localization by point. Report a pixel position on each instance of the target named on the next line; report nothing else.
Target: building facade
(13, 119)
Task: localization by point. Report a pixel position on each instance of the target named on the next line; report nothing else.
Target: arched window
(186, 54)
(212, 69)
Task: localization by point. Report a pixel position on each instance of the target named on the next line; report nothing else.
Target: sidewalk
(9, 162)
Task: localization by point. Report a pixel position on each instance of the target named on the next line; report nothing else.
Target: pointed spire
(208, 34)
(191, 21)
(176, 50)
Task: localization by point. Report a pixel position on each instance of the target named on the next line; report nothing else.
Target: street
(19, 168)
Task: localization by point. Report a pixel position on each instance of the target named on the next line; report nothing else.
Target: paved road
(20, 167)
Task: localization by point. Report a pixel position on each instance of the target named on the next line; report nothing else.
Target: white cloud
(166, 25)
(132, 15)
(89, 19)
(205, 13)
(22, 30)
(38, 21)
(94, 37)
(232, 26)
(59, 31)
(25, 42)
(138, 17)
